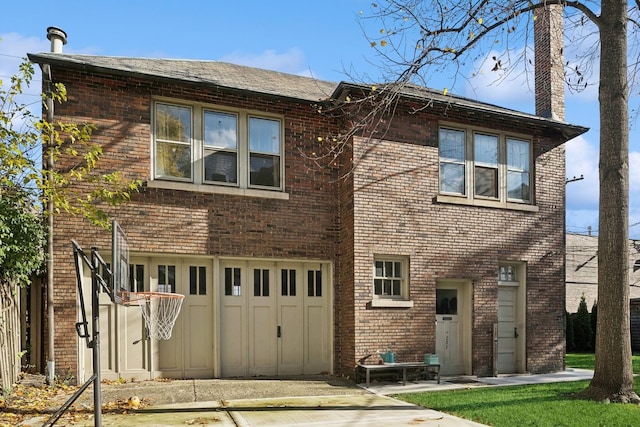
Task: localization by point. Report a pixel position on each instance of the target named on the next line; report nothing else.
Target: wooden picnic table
(402, 366)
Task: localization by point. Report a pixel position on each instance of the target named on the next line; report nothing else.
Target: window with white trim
(485, 166)
(200, 144)
(391, 281)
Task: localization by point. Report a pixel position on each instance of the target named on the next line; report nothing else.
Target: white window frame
(401, 300)
(197, 181)
(469, 196)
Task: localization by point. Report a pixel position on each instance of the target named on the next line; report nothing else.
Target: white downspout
(58, 38)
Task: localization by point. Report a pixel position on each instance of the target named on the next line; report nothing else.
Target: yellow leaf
(319, 139)
(535, 17)
(373, 44)
(445, 91)
(374, 88)
(381, 30)
(480, 21)
(348, 99)
(383, 43)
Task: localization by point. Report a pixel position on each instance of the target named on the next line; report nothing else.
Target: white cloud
(511, 86)
(13, 50)
(291, 61)
(582, 160)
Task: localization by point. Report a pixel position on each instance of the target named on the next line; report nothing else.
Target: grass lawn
(532, 405)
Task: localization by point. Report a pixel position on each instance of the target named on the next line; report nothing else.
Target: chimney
(548, 42)
(58, 39)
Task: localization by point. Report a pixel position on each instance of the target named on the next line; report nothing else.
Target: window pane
(388, 269)
(486, 182)
(285, 283)
(173, 123)
(221, 166)
(193, 280)
(397, 271)
(265, 283)
(202, 281)
(318, 283)
(387, 287)
(228, 281)
(264, 135)
(292, 283)
(311, 286)
(257, 291)
(485, 149)
(452, 178)
(377, 286)
(452, 145)
(139, 278)
(172, 278)
(518, 186)
(236, 282)
(173, 160)
(396, 288)
(162, 277)
(220, 130)
(379, 268)
(518, 155)
(265, 170)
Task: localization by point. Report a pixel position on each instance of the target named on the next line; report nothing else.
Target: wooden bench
(401, 366)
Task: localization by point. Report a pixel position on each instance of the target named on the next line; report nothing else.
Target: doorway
(453, 326)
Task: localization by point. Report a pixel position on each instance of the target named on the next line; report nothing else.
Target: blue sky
(322, 39)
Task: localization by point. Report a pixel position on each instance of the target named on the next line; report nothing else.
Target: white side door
(290, 329)
(507, 329)
(262, 320)
(197, 315)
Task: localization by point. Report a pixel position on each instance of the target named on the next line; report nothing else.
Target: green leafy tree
(571, 342)
(582, 327)
(25, 188)
(418, 39)
(594, 323)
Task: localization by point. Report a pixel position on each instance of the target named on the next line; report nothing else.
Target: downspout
(58, 38)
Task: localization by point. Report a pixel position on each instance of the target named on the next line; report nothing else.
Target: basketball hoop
(159, 310)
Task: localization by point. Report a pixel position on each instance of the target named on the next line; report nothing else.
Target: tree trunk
(613, 376)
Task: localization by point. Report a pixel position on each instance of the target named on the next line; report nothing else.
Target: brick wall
(395, 213)
(185, 222)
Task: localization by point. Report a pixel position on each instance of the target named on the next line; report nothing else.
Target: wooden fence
(9, 336)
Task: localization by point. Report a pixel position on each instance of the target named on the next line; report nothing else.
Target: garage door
(274, 318)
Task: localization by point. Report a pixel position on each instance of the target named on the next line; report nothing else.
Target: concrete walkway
(325, 401)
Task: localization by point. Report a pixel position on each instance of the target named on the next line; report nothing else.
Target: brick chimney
(549, 62)
(58, 39)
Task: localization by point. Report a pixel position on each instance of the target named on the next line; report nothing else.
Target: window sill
(214, 189)
(462, 200)
(391, 303)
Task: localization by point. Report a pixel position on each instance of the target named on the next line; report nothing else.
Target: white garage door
(274, 318)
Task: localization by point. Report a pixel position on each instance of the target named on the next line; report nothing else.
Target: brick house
(447, 236)
(582, 270)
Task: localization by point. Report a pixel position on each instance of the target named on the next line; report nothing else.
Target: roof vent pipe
(58, 39)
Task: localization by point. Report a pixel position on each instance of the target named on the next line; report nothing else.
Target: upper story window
(233, 148)
(485, 166)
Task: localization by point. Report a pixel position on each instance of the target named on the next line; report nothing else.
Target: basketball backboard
(119, 264)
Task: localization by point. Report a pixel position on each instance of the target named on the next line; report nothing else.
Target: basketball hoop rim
(131, 298)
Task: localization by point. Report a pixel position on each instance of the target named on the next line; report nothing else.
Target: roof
(274, 83)
(421, 93)
(216, 73)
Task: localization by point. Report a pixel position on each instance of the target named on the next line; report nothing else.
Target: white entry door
(274, 319)
(453, 327)
(449, 333)
(507, 329)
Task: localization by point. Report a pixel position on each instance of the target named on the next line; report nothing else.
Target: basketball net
(159, 310)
